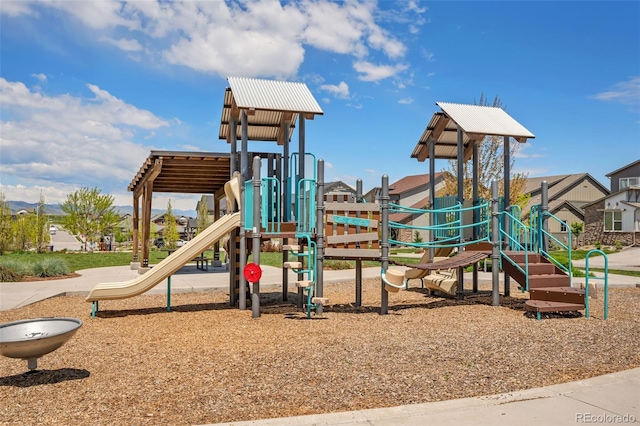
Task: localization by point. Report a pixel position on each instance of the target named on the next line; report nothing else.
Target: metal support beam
(255, 294)
(507, 206)
(476, 212)
(384, 243)
(320, 234)
(496, 244)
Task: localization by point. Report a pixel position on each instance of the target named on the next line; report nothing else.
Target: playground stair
(549, 287)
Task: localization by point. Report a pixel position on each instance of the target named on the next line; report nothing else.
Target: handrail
(517, 244)
(606, 283)
(542, 232)
(306, 206)
(271, 214)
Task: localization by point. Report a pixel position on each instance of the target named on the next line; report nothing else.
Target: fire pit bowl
(32, 338)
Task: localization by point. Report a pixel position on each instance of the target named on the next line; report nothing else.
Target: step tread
(295, 265)
(304, 284)
(292, 247)
(572, 290)
(546, 306)
(320, 300)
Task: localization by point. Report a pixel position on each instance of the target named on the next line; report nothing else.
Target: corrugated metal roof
(485, 120)
(475, 121)
(270, 102)
(273, 95)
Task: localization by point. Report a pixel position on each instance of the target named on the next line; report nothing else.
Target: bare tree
(491, 167)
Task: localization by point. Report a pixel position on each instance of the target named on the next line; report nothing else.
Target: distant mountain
(54, 209)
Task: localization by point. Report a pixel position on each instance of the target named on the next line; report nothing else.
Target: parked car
(52, 230)
(159, 242)
(180, 243)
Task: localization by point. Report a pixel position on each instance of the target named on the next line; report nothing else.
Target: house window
(563, 227)
(613, 221)
(627, 182)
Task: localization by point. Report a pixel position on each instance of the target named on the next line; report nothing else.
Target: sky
(89, 88)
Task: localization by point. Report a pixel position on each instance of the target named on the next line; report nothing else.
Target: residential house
(615, 218)
(568, 195)
(182, 221)
(411, 191)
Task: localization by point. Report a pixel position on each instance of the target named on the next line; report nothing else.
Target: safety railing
(450, 230)
(545, 235)
(519, 243)
(306, 206)
(606, 283)
(270, 212)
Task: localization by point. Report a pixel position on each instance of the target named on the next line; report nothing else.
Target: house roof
(475, 121)
(338, 186)
(623, 168)
(270, 104)
(558, 185)
(408, 183)
(404, 217)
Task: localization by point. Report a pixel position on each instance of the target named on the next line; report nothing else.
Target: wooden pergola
(178, 172)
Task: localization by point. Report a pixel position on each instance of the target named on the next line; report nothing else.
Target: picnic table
(202, 262)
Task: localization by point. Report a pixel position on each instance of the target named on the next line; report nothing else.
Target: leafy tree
(490, 168)
(89, 213)
(203, 214)
(21, 231)
(576, 229)
(40, 233)
(170, 233)
(5, 225)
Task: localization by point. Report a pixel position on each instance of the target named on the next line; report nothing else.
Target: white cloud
(72, 141)
(16, 8)
(266, 38)
(371, 72)
(406, 101)
(341, 90)
(42, 77)
(625, 92)
(127, 45)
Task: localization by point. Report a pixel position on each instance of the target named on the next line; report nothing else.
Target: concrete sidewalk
(609, 399)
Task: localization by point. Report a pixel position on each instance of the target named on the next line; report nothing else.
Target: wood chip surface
(203, 362)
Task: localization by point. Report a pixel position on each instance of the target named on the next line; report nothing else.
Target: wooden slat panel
(351, 238)
(372, 223)
(351, 253)
(363, 207)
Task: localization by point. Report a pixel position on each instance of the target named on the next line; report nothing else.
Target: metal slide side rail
(606, 283)
(270, 212)
(544, 233)
(515, 244)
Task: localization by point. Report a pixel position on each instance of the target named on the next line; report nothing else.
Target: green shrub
(11, 271)
(618, 245)
(49, 267)
(598, 245)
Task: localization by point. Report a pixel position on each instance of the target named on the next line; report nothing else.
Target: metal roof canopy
(475, 121)
(183, 172)
(270, 106)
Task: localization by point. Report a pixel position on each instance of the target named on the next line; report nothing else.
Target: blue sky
(88, 88)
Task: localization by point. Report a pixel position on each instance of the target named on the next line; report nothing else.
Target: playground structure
(287, 201)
